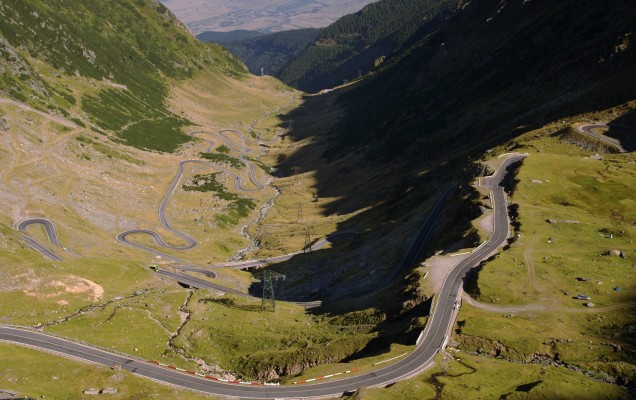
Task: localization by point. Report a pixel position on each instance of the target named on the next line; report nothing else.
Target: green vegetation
(238, 207)
(468, 376)
(223, 149)
(271, 51)
(75, 41)
(40, 375)
(113, 326)
(288, 341)
(568, 206)
(44, 300)
(356, 41)
(107, 150)
(223, 158)
(573, 208)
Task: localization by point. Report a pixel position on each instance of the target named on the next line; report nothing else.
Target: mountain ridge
(268, 51)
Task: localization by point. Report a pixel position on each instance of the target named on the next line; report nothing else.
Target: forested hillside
(269, 52)
(475, 77)
(358, 42)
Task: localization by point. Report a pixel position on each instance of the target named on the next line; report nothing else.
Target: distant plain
(266, 16)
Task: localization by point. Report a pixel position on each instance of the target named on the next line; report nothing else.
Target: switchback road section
(589, 131)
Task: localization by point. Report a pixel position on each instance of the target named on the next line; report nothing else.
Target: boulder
(91, 391)
(616, 253)
(109, 390)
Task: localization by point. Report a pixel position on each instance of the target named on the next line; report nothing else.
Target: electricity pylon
(268, 278)
(307, 246)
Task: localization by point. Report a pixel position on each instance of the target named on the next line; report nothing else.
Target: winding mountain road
(589, 131)
(431, 341)
(51, 233)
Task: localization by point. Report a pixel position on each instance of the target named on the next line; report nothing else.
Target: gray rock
(4, 124)
(91, 391)
(617, 253)
(109, 390)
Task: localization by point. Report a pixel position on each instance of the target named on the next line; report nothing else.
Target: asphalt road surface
(589, 130)
(432, 340)
(50, 232)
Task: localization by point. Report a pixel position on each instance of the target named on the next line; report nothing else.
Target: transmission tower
(307, 246)
(268, 278)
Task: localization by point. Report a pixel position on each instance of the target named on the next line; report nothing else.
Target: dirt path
(542, 307)
(527, 256)
(26, 107)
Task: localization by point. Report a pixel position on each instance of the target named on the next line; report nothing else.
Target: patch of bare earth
(52, 287)
(437, 268)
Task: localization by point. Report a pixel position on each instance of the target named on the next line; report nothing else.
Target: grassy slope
(472, 377)
(30, 373)
(586, 199)
(74, 39)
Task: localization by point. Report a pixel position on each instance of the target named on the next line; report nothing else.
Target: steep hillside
(358, 42)
(489, 69)
(128, 64)
(269, 52)
(487, 74)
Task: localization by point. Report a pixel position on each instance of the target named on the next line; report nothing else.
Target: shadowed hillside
(384, 148)
(357, 43)
(270, 52)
